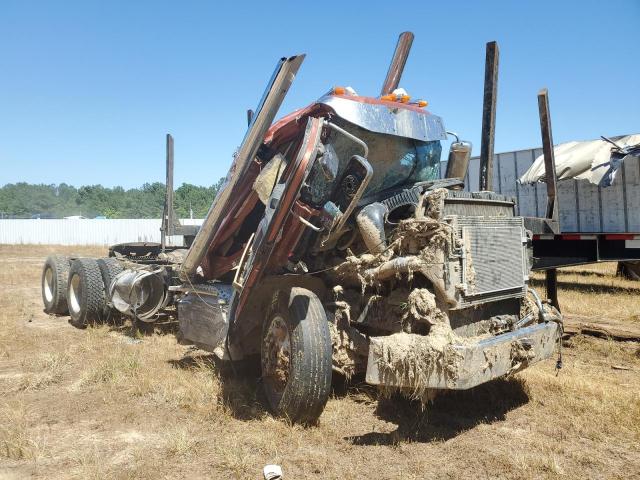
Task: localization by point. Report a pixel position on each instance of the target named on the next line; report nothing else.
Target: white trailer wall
(85, 231)
(584, 207)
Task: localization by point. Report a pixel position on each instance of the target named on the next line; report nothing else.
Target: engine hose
(536, 297)
(405, 265)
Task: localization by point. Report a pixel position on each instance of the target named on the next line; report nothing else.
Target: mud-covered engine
(442, 266)
(470, 248)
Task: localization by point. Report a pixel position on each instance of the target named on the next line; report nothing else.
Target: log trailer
(334, 247)
(597, 221)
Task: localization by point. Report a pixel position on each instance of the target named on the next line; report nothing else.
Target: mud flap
(463, 366)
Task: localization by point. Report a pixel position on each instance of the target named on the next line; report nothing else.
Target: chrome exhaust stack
(398, 62)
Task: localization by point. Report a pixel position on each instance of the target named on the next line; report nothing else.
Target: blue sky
(88, 89)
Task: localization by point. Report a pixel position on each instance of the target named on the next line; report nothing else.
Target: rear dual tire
(109, 268)
(85, 292)
(54, 284)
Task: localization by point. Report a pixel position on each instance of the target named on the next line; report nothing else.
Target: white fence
(85, 231)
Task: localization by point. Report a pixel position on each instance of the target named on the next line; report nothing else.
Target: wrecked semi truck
(334, 246)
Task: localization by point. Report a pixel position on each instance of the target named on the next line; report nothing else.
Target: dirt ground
(105, 403)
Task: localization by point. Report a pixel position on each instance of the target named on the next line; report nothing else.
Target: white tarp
(597, 160)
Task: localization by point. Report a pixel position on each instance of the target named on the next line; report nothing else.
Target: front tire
(54, 284)
(296, 356)
(85, 292)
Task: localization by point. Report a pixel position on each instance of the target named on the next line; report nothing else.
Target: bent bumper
(475, 363)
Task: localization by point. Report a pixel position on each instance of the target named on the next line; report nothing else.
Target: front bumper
(476, 362)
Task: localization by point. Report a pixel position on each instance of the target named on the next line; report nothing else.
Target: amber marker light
(392, 97)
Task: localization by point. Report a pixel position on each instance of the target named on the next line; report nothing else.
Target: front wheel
(296, 356)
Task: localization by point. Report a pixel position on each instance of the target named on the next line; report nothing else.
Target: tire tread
(309, 386)
(60, 266)
(109, 268)
(92, 299)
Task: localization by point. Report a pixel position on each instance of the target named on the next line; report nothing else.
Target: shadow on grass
(586, 273)
(240, 383)
(137, 328)
(450, 414)
(355, 388)
(597, 288)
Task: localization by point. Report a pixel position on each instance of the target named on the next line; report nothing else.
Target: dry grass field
(105, 403)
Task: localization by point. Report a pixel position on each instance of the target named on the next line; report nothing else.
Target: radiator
(494, 249)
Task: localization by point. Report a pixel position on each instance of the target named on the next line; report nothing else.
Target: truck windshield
(396, 161)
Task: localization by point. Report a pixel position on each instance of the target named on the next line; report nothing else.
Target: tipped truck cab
(424, 287)
(335, 247)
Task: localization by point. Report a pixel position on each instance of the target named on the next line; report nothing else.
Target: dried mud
(412, 360)
(418, 244)
(422, 308)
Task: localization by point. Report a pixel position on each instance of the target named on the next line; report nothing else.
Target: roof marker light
(393, 97)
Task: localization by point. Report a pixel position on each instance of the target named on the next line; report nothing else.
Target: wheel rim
(276, 358)
(48, 285)
(74, 294)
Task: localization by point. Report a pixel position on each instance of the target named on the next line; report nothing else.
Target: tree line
(24, 200)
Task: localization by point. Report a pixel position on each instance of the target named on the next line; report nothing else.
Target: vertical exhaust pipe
(489, 116)
(398, 61)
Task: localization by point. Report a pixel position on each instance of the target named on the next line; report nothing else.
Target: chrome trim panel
(401, 122)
